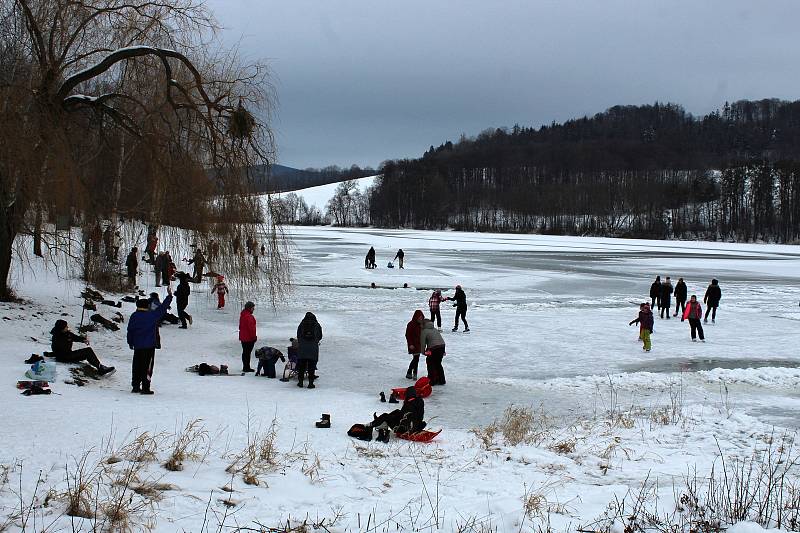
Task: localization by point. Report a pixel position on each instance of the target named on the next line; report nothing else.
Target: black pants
(164, 277)
(412, 367)
(183, 315)
(76, 356)
(654, 302)
(142, 361)
(306, 366)
(434, 364)
(438, 315)
(151, 257)
(391, 419)
(713, 310)
(461, 312)
(696, 327)
(680, 304)
(132, 277)
(665, 307)
(247, 349)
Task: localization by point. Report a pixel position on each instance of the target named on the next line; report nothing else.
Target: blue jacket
(143, 326)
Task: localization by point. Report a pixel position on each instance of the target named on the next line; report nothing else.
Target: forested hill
(631, 170)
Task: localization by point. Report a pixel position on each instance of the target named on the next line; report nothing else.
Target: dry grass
(518, 425)
(186, 445)
(81, 482)
(565, 446)
(142, 449)
(259, 456)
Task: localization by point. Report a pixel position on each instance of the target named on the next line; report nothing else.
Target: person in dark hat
(61, 344)
(143, 340)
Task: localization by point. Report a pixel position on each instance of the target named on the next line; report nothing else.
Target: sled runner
(418, 436)
(422, 386)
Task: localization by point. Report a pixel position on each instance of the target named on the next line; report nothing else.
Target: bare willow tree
(131, 110)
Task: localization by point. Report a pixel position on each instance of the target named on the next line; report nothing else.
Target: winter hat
(142, 305)
(220, 277)
(249, 305)
(59, 327)
(458, 287)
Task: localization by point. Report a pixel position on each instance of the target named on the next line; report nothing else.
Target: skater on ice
(655, 293)
(460, 304)
(399, 256)
(434, 304)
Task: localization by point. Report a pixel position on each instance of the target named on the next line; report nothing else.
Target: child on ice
(267, 357)
(645, 321)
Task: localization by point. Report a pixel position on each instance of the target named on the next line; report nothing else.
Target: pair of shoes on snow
(383, 435)
(137, 390)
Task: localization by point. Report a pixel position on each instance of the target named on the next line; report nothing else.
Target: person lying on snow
(62, 348)
(407, 419)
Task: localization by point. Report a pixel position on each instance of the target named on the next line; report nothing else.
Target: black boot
(383, 397)
(325, 422)
(392, 398)
(409, 374)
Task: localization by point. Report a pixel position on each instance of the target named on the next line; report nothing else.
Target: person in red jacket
(434, 302)
(413, 331)
(694, 312)
(247, 334)
(221, 289)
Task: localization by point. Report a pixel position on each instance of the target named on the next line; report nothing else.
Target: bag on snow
(360, 432)
(42, 371)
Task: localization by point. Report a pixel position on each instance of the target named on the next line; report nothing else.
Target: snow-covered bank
(549, 330)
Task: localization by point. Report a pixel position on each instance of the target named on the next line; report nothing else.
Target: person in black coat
(655, 293)
(680, 296)
(665, 300)
(460, 299)
(309, 334)
(61, 344)
(711, 299)
(132, 265)
(408, 418)
(182, 298)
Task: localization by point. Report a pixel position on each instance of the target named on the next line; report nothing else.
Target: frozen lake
(544, 312)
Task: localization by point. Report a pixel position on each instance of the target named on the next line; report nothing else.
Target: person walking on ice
(680, 297)
(309, 334)
(645, 321)
(221, 289)
(711, 299)
(399, 257)
(434, 304)
(665, 301)
(655, 293)
(182, 299)
(694, 312)
(413, 332)
(461, 308)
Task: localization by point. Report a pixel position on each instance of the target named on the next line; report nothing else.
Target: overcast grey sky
(360, 81)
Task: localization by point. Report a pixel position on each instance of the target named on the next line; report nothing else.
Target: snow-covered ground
(549, 319)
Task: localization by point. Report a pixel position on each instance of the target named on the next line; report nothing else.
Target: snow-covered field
(549, 319)
(319, 196)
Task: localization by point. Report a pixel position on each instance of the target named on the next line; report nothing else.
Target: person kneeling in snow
(63, 352)
(407, 419)
(267, 357)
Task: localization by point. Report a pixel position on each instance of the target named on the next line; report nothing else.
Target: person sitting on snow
(407, 419)
(62, 348)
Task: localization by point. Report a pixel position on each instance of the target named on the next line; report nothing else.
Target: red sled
(419, 436)
(423, 387)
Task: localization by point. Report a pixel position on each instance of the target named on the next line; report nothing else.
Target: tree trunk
(37, 232)
(7, 235)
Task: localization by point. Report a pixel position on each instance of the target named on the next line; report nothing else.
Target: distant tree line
(641, 171)
(347, 207)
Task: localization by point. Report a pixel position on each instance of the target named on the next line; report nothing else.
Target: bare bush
(186, 444)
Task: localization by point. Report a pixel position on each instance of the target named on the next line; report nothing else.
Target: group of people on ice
(370, 262)
(661, 293)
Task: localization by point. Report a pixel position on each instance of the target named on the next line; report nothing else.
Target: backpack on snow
(360, 432)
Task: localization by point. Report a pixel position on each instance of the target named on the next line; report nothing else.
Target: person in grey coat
(432, 344)
(309, 333)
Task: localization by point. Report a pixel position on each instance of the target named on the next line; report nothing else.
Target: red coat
(413, 330)
(688, 313)
(247, 326)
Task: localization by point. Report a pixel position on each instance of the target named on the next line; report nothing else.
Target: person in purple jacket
(143, 340)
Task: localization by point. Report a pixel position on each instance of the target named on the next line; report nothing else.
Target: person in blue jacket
(143, 340)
